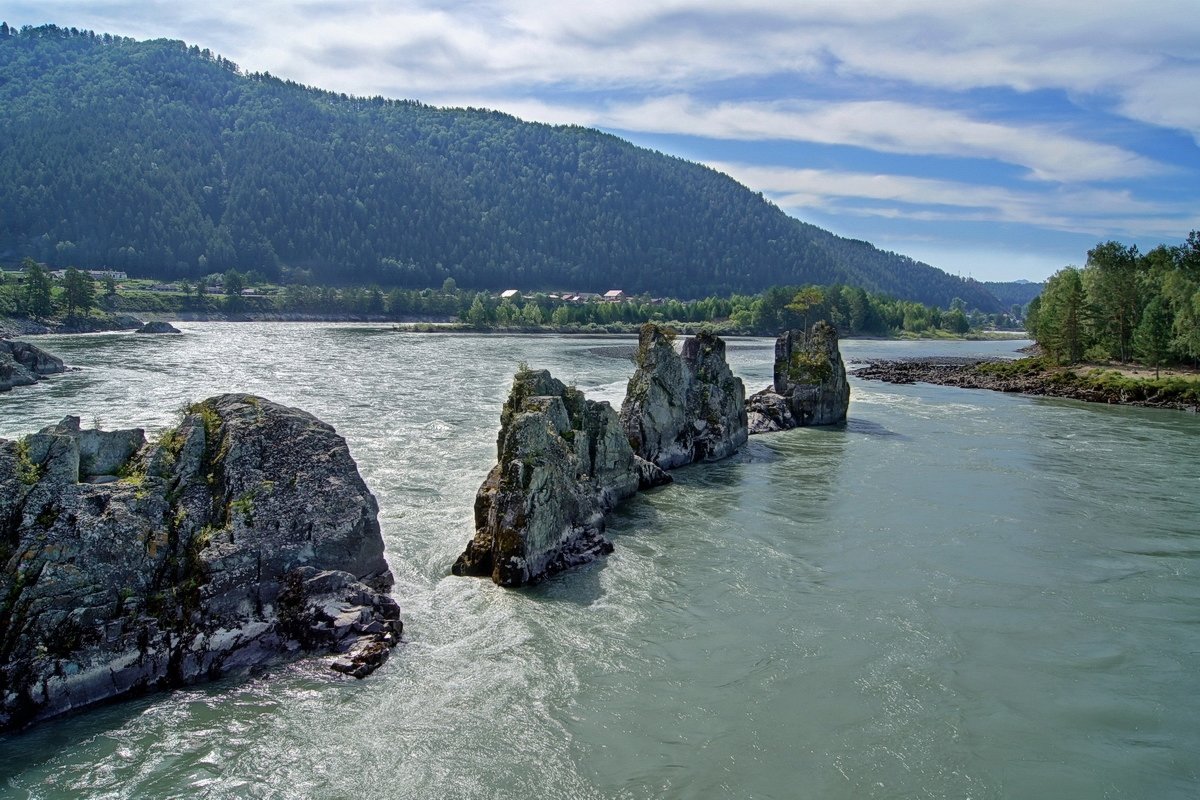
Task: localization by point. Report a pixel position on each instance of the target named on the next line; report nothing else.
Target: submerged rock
(683, 408)
(243, 537)
(158, 326)
(23, 364)
(562, 462)
(810, 386)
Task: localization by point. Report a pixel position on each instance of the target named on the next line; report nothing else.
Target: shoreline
(14, 327)
(1030, 377)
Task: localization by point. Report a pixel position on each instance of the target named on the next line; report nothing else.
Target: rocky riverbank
(12, 327)
(243, 537)
(23, 364)
(1034, 377)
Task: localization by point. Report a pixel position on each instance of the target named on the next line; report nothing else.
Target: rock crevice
(681, 408)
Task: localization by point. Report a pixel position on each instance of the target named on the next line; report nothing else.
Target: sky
(996, 139)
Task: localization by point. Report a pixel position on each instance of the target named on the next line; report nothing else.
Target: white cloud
(1116, 49)
(1097, 212)
(883, 126)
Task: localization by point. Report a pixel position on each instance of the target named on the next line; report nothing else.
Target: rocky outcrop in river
(23, 364)
(243, 537)
(683, 408)
(562, 462)
(158, 326)
(810, 385)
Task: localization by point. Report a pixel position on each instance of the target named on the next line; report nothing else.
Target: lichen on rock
(810, 385)
(681, 408)
(243, 537)
(562, 462)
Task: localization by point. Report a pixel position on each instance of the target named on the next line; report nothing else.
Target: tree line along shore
(77, 300)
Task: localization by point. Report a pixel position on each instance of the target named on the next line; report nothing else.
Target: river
(958, 594)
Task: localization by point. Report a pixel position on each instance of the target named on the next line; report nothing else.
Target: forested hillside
(1014, 293)
(166, 160)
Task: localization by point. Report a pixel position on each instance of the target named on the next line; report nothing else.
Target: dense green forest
(166, 160)
(1124, 306)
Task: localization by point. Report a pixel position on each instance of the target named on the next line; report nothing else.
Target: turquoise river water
(960, 594)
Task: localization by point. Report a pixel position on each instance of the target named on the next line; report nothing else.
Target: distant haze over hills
(1012, 293)
(161, 159)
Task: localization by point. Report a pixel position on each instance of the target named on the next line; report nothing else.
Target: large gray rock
(23, 364)
(243, 537)
(562, 462)
(810, 385)
(683, 408)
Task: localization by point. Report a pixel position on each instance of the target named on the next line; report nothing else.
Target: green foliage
(804, 300)
(809, 368)
(1122, 305)
(28, 473)
(1015, 368)
(243, 507)
(1152, 337)
(37, 295)
(1062, 318)
(209, 417)
(219, 170)
(79, 292)
(1114, 294)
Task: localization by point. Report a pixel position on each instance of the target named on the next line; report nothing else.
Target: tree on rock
(804, 301)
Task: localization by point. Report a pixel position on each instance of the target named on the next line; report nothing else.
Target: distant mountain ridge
(1011, 293)
(164, 159)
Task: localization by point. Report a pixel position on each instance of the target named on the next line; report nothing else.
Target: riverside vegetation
(35, 301)
(1102, 330)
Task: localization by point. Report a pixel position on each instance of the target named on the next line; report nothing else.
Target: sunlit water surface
(959, 594)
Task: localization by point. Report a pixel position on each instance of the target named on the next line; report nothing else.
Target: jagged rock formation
(23, 364)
(683, 408)
(562, 463)
(243, 537)
(158, 326)
(810, 386)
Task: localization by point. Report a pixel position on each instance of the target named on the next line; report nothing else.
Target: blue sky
(993, 138)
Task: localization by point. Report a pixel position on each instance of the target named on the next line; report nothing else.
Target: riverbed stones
(158, 326)
(22, 364)
(242, 537)
(681, 408)
(562, 462)
(810, 385)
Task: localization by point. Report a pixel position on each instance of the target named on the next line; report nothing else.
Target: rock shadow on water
(866, 427)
